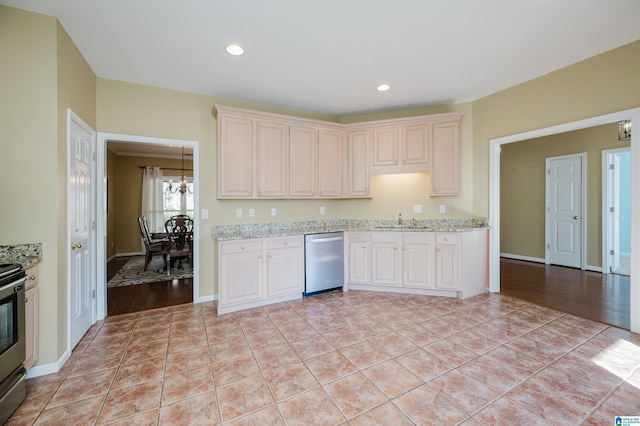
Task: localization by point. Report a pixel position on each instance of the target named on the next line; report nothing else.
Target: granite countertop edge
(266, 230)
(27, 255)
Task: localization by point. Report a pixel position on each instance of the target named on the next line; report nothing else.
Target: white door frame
(101, 233)
(607, 201)
(494, 197)
(583, 208)
(73, 117)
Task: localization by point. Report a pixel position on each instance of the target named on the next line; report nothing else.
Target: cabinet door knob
(242, 247)
(286, 243)
(32, 277)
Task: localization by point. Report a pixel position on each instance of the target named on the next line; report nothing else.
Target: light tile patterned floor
(354, 358)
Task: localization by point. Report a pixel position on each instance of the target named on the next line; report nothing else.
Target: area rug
(133, 272)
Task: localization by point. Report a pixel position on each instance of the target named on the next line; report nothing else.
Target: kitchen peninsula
(416, 257)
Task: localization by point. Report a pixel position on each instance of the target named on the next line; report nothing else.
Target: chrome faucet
(399, 218)
(414, 222)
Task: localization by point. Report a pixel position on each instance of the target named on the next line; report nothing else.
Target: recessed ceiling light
(235, 50)
(383, 88)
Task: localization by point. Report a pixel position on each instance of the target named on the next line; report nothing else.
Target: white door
(565, 210)
(81, 212)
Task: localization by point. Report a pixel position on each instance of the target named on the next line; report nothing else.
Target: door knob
(576, 217)
(75, 245)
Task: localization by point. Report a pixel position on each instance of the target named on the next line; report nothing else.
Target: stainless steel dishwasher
(324, 262)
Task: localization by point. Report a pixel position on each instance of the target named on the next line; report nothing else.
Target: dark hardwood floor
(142, 297)
(592, 295)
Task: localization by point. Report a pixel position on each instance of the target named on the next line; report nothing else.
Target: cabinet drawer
(360, 237)
(241, 246)
(417, 237)
(386, 237)
(32, 277)
(447, 239)
(280, 243)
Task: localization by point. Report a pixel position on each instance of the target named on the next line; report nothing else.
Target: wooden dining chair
(180, 232)
(153, 248)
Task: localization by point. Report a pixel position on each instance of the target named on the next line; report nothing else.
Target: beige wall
(126, 190)
(522, 176)
(43, 74)
(603, 84)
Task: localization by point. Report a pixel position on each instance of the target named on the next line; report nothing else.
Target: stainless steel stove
(12, 339)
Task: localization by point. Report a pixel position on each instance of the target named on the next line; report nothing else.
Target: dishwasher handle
(324, 240)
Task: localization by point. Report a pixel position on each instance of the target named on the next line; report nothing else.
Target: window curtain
(152, 199)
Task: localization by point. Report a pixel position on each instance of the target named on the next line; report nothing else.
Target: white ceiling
(328, 56)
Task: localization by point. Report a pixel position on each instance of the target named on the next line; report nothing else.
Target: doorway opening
(119, 233)
(494, 198)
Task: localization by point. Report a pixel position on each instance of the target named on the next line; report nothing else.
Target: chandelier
(182, 188)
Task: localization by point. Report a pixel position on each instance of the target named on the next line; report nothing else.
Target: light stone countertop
(25, 254)
(281, 229)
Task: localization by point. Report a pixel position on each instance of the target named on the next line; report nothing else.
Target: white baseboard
(519, 257)
(54, 367)
(133, 253)
(539, 260)
(111, 258)
(203, 299)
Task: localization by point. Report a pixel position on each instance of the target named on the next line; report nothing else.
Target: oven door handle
(14, 284)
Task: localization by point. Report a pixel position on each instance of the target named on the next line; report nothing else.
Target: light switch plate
(443, 208)
(252, 212)
(238, 212)
(273, 211)
(417, 208)
(322, 210)
(204, 214)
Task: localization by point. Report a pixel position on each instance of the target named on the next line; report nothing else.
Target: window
(174, 202)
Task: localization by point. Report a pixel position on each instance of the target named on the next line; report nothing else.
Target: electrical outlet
(443, 208)
(252, 212)
(322, 210)
(417, 208)
(238, 213)
(273, 211)
(205, 214)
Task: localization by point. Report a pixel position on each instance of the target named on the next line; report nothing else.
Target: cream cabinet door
(235, 157)
(359, 172)
(272, 162)
(31, 326)
(447, 262)
(285, 271)
(302, 161)
(385, 146)
(386, 261)
(359, 257)
(446, 159)
(241, 277)
(415, 144)
(329, 163)
(418, 258)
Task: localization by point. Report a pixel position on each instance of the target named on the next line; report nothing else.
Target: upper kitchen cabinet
(302, 161)
(358, 169)
(329, 163)
(445, 179)
(401, 148)
(235, 157)
(272, 158)
(263, 155)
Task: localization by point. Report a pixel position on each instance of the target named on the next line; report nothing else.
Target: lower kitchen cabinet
(31, 317)
(359, 254)
(245, 280)
(447, 262)
(418, 260)
(241, 272)
(285, 266)
(386, 261)
(434, 263)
